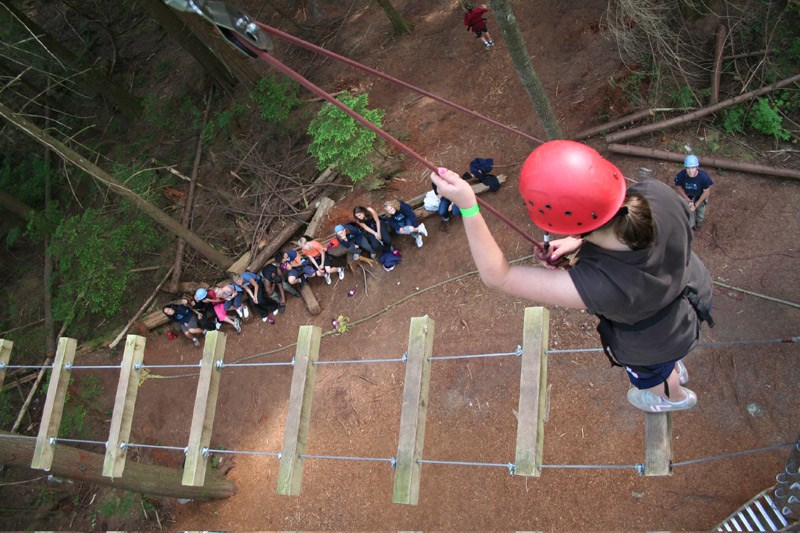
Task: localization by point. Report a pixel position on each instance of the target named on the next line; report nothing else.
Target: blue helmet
(338, 228)
(200, 294)
(691, 161)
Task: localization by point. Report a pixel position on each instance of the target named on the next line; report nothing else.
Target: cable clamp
(404, 357)
(518, 351)
(639, 468)
(138, 366)
(292, 360)
(68, 366)
(123, 445)
(52, 441)
(219, 364)
(511, 468)
(393, 462)
(204, 452)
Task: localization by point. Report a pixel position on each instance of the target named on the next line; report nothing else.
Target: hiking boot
(653, 403)
(237, 325)
(341, 273)
(683, 374)
(423, 229)
(196, 341)
(327, 278)
(418, 238)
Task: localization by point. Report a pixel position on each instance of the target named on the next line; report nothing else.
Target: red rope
(314, 48)
(369, 125)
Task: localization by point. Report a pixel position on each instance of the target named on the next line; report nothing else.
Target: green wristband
(470, 211)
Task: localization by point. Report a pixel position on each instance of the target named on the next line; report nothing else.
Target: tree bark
(129, 104)
(716, 72)
(14, 206)
(179, 32)
(400, 24)
(153, 480)
(633, 117)
(664, 124)
(716, 162)
(169, 223)
(524, 67)
(187, 206)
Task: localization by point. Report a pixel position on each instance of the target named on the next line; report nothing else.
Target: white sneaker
(274, 313)
(246, 312)
(265, 318)
(219, 325)
(419, 241)
(423, 230)
(341, 273)
(327, 278)
(239, 312)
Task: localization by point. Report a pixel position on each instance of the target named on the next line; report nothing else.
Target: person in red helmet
(634, 267)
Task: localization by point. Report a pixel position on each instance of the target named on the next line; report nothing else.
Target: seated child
(317, 256)
(186, 319)
(401, 218)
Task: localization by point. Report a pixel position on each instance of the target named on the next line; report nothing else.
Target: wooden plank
(301, 398)
(658, 444)
(414, 411)
(312, 304)
(532, 392)
(54, 404)
(5, 355)
(324, 205)
(205, 407)
(124, 405)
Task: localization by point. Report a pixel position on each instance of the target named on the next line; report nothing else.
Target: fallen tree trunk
(311, 301)
(324, 205)
(153, 480)
(141, 310)
(716, 162)
(659, 126)
(633, 117)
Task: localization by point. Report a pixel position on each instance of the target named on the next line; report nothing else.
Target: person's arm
(411, 216)
(253, 293)
(377, 220)
(554, 287)
(704, 196)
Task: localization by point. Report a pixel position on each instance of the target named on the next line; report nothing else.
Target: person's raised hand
(451, 186)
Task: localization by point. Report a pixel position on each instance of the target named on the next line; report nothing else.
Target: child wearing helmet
(694, 185)
(634, 266)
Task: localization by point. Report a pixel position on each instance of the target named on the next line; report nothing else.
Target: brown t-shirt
(630, 286)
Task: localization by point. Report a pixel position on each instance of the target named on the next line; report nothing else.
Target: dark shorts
(189, 324)
(645, 377)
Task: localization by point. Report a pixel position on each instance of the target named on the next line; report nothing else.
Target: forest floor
(749, 241)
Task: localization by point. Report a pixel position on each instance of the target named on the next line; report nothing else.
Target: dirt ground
(749, 241)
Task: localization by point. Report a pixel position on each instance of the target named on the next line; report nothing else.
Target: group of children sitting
(369, 233)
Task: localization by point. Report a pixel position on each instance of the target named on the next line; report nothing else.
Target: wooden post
(311, 301)
(5, 355)
(205, 407)
(414, 411)
(82, 465)
(532, 392)
(658, 444)
(54, 404)
(301, 398)
(124, 404)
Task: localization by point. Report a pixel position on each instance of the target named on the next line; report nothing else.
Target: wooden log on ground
(311, 301)
(81, 465)
(277, 241)
(614, 124)
(664, 124)
(716, 162)
(716, 71)
(323, 206)
(657, 444)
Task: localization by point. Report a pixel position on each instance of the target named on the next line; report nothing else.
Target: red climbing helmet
(569, 188)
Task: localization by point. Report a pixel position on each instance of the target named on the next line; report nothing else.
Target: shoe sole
(634, 398)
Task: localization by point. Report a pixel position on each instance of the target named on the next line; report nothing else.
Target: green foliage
(338, 140)
(24, 178)
(6, 411)
(275, 98)
(683, 97)
(158, 113)
(94, 253)
(733, 120)
(90, 389)
(222, 121)
(764, 117)
(73, 422)
(118, 507)
(631, 85)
